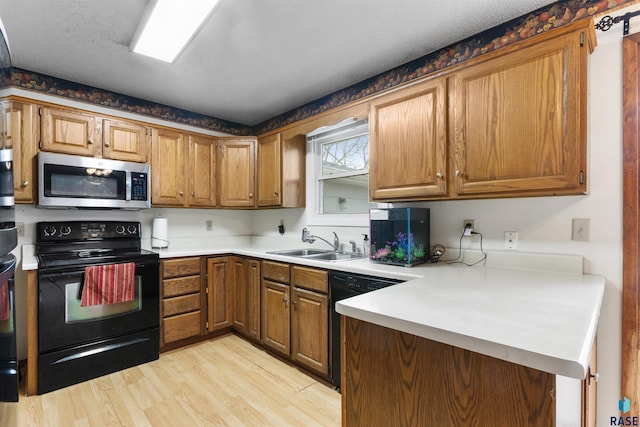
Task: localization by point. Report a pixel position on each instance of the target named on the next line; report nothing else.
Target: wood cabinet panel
(181, 304)
(433, 384)
(276, 271)
(168, 168)
(237, 172)
(310, 329)
(21, 124)
(518, 121)
(310, 278)
(202, 171)
(70, 132)
(182, 326)
(181, 286)
(276, 328)
(253, 279)
(408, 143)
(219, 294)
(269, 171)
(240, 296)
(125, 141)
(177, 267)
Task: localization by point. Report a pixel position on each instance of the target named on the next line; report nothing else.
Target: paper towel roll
(159, 233)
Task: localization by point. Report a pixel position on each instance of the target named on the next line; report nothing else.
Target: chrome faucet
(310, 238)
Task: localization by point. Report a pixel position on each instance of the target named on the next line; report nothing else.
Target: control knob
(132, 229)
(65, 230)
(49, 230)
(120, 229)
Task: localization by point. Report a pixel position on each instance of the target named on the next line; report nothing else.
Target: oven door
(8, 354)
(64, 323)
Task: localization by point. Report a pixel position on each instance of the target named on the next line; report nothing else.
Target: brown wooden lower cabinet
(393, 378)
(295, 314)
(182, 300)
(246, 297)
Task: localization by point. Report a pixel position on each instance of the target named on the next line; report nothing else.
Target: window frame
(314, 178)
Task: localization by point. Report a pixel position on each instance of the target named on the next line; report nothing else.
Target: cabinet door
(21, 126)
(236, 172)
(168, 168)
(407, 143)
(70, 132)
(310, 329)
(240, 296)
(275, 316)
(220, 294)
(269, 171)
(202, 171)
(252, 278)
(124, 141)
(518, 121)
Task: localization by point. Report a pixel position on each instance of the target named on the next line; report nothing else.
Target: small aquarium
(400, 236)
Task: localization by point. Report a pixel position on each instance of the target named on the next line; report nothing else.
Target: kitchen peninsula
(467, 346)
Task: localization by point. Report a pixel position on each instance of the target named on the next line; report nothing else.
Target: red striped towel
(5, 310)
(108, 284)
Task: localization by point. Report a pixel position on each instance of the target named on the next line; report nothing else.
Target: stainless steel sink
(318, 254)
(301, 252)
(336, 256)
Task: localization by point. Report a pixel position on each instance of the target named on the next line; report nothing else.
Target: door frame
(630, 347)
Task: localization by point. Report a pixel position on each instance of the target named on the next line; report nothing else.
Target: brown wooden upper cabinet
(21, 126)
(269, 170)
(511, 123)
(183, 169)
(87, 134)
(125, 141)
(168, 168)
(518, 121)
(236, 171)
(281, 171)
(407, 143)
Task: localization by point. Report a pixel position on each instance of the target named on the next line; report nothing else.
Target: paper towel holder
(159, 238)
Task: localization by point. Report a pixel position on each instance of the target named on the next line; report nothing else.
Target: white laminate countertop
(536, 310)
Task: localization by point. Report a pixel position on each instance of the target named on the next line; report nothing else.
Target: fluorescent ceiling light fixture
(169, 26)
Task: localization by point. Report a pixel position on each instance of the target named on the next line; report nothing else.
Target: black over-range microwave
(67, 181)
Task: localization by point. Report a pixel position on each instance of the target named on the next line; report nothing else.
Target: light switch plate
(580, 229)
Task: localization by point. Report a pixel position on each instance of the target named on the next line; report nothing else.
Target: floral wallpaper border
(542, 20)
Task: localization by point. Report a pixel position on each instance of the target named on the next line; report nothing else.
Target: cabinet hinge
(582, 39)
(40, 110)
(581, 177)
(207, 325)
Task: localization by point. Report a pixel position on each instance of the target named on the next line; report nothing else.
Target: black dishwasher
(346, 285)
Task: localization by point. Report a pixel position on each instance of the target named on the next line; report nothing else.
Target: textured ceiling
(253, 59)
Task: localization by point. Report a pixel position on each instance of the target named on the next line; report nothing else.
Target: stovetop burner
(82, 242)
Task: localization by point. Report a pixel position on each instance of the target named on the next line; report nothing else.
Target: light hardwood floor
(225, 381)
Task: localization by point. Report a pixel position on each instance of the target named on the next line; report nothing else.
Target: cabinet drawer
(182, 326)
(275, 271)
(180, 267)
(181, 286)
(310, 278)
(179, 305)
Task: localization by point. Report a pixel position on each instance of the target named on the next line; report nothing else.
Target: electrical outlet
(511, 240)
(20, 228)
(208, 225)
(467, 231)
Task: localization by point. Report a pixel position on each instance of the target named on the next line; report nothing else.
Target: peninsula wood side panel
(393, 378)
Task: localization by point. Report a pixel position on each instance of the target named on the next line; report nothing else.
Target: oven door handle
(98, 350)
